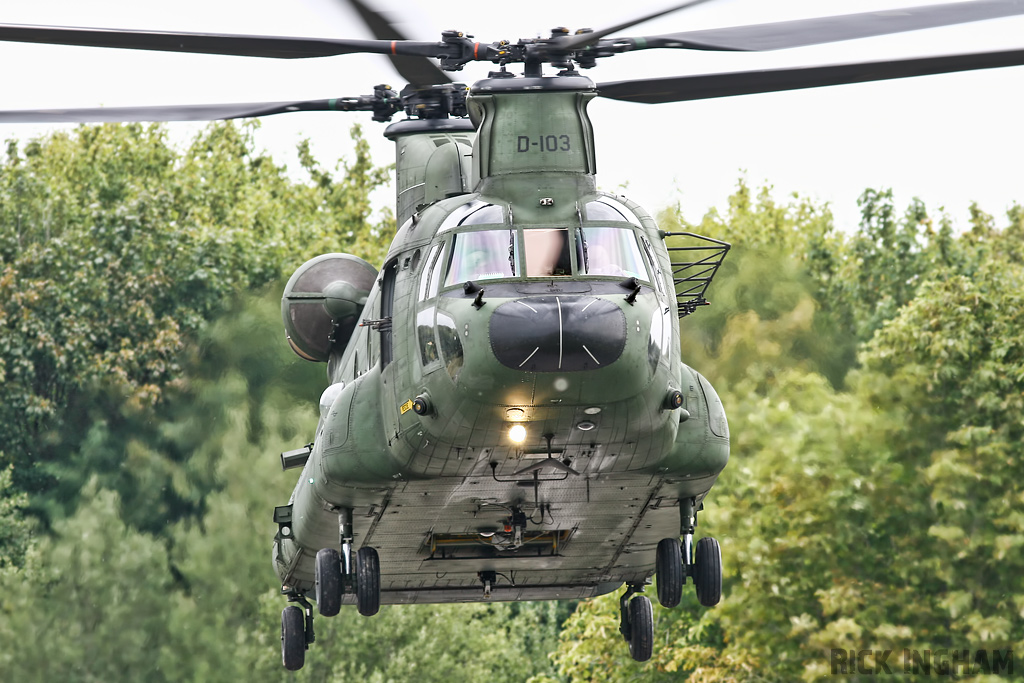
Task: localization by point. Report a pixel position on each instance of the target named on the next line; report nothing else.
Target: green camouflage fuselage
(494, 309)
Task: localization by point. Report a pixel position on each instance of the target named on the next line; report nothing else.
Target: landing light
(517, 433)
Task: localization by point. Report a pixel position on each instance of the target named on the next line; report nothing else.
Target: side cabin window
(612, 252)
(387, 305)
(482, 255)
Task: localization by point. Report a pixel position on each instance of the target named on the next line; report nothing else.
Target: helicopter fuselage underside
(613, 525)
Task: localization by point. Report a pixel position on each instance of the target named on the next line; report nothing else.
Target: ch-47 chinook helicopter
(507, 415)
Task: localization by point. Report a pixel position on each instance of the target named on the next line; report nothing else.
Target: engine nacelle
(322, 302)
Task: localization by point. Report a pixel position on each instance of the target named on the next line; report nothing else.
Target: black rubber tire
(670, 572)
(641, 625)
(328, 582)
(293, 638)
(708, 571)
(367, 581)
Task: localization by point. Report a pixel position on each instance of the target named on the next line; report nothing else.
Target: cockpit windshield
(482, 255)
(612, 251)
(543, 253)
(547, 252)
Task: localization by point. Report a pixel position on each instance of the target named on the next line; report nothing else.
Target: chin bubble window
(547, 252)
(482, 255)
(451, 345)
(425, 335)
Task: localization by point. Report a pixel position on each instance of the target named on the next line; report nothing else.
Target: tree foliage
(115, 249)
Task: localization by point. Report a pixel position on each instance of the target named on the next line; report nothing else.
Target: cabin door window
(387, 305)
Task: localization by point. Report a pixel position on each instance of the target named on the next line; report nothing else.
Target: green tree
(769, 301)
(15, 530)
(91, 602)
(952, 367)
(115, 249)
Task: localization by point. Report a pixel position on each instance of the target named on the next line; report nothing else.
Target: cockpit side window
(654, 264)
(431, 276)
(612, 251)
(482, 255)
(547, 252)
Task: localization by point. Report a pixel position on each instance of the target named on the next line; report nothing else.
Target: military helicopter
(508, 416)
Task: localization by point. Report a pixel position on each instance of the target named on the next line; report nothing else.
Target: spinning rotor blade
(418, 71)
(209, 43)
(188, 112)
(707, 86)
(582, 40)
(787, 34)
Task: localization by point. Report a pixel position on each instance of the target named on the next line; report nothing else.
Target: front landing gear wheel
(367, 581)
(328, 582)
(669, 572)
(641, 628)
(293, 638)
(707, 571)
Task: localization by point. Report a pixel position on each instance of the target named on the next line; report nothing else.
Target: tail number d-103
(543, 143)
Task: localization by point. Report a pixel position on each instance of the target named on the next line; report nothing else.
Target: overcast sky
(948, 139)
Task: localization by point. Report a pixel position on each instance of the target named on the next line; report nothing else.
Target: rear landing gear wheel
(328, 582)
(707, 571)
(367, 581)
(641, 628)
(670, 572)
(293, 638)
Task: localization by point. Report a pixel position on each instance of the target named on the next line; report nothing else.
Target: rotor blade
(418, 71)
(187, 112)
(582, 40)
(787, 34)
(707, 86)
(208, 43)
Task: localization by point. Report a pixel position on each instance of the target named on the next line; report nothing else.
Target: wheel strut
(687, 525)
(307, 610)
(637, 622)
(625, 628)
(346, 534)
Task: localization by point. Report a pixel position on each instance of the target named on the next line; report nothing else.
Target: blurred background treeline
(873, 376)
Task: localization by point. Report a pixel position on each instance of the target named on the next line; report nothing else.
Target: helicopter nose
(557, 333)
